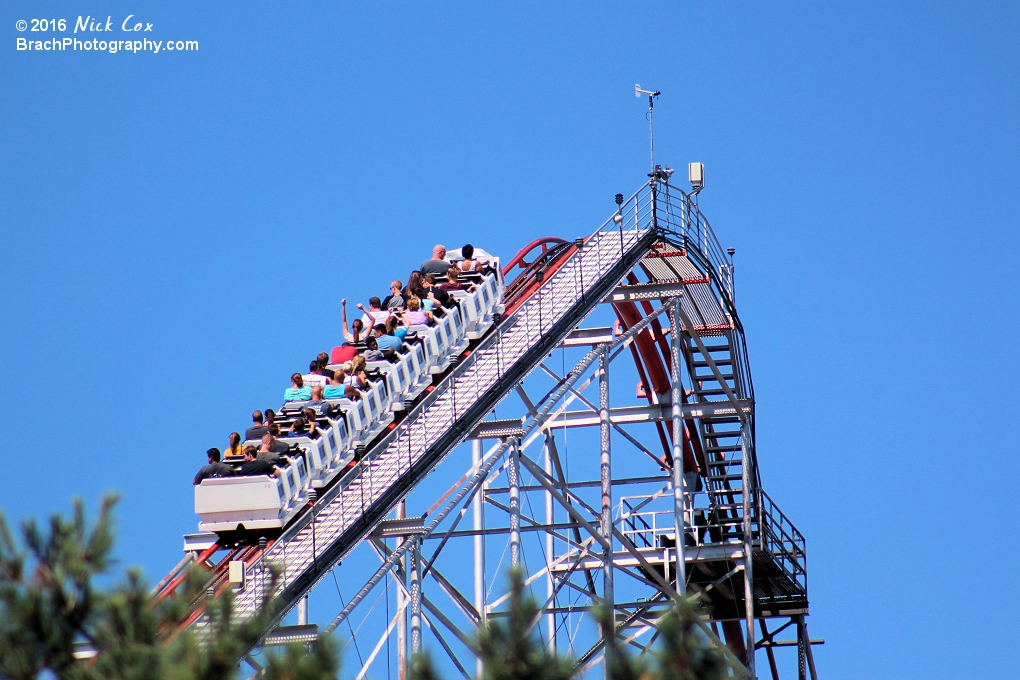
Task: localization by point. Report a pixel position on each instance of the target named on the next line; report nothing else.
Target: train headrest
(294, 406)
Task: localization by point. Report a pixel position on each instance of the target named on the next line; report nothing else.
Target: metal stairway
(721, 436)
(346, 513)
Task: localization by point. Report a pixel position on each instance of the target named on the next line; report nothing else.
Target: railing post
(745, 495)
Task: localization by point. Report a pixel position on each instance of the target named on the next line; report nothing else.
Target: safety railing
(643, 526)
(783, 541)
(679, 214)
(772, 531)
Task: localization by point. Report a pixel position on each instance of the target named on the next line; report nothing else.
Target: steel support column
(802, 626)
(514, 474)
(768, 650)
(416, 598)
(402, 670)
(477, 510)
(606, 475)
(802, 644)
(745, 493)
(679, 492)
(550, 551)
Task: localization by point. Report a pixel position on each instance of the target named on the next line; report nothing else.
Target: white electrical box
(235, 573)
(696, 174)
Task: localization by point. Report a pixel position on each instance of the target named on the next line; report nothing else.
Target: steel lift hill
(665, 502)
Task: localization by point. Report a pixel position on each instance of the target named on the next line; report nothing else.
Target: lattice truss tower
(609, 412)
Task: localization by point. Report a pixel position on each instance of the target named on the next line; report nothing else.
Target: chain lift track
(660, 267)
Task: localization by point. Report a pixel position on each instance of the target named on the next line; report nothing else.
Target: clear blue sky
(178, 228)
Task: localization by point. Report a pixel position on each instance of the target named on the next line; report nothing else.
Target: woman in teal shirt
(297, 391)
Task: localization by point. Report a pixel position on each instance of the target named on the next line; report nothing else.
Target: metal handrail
(783, 541)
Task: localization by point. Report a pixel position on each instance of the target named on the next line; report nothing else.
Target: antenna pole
(651, 132)
(651, 124)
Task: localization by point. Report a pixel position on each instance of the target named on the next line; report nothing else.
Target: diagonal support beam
(544, 481)
(585, 658)
(533, 430)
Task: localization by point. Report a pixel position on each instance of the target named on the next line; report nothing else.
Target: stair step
(720, 420)
(711, 376)
(725, 474)
(717, 362)
(711, 393)
(717, 434)
(710, 348)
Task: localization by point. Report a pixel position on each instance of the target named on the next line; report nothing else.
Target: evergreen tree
(510, 647)
(48, 602)
(511, 650)
(683, 654)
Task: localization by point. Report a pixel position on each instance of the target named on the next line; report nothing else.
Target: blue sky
(178, 229)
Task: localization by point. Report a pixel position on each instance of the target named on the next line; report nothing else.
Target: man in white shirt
(375, 314)
(313, 377)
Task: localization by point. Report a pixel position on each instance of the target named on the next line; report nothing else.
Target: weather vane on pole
(651, 132)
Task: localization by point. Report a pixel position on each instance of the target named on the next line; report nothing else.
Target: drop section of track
(567, 289)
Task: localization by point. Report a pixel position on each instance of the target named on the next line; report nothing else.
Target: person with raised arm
(358, 327)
